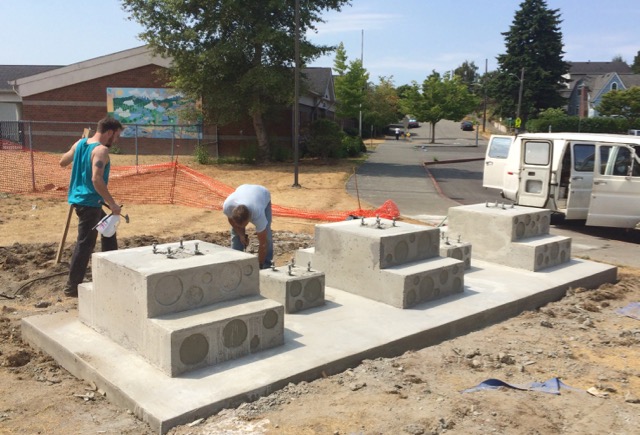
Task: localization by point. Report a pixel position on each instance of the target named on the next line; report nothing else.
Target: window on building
(614, 86)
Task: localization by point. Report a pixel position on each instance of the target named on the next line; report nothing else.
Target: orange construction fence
(39, 174)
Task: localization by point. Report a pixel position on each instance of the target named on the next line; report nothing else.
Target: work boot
(70, 291)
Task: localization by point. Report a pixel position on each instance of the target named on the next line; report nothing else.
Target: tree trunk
(261, 135)
(433, 132)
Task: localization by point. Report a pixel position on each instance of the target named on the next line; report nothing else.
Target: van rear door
(615, 197)
(535, 172)
(495, 161)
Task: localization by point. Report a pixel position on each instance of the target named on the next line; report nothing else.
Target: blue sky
(406, 39)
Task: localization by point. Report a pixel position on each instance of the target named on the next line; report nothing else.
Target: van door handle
(488, 163)
(599, 182)
(577, 178)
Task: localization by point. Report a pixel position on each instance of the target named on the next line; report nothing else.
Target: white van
(585, 176)
(634, 132)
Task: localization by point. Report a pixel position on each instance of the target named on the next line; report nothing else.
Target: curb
(444, 162)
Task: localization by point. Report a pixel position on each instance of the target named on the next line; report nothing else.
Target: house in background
(589, 81)
(55, 104)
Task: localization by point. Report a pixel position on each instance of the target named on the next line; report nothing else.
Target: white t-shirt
(255, 198)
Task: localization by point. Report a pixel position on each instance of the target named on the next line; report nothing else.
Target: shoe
(70, 292)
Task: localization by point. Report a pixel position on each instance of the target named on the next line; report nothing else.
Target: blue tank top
(81, 190)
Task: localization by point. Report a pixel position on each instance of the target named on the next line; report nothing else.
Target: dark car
(413, 123)
(466, 126)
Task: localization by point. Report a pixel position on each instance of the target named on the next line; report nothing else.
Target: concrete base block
(181, 342)
(457, 250)
(412, 284)
(297, 288)
(539, 253)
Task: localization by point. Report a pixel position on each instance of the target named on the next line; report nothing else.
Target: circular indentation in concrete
(255, 342)
(411, 298)
(270, 319)
(401, 252)
(457, 284)
(544, 222)
(299, 305)
(412, 238)
(426, 287)
(312, 290)
(194, 296)
(555, 250)
(455, 270)
(520, 228)
(206, 278)
(537, 218)
(539, 259)
(388, 258)
(247, 269)
(295, 289)
(168, 290)
(444, 276)
(563, 256)
(194, 349)
(234, 333)
(516, 220)
(416, 280)
(457, 254)
(424, 241)
(230, 277)
(527, 219)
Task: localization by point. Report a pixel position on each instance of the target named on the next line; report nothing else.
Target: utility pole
(519, 100)
(484, 90)
(296, 97)
(362, 90)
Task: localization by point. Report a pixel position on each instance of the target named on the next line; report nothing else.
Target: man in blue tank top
(251, 203)
(87, 192)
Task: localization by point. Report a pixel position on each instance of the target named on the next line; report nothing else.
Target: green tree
(340, 65)
(624, 103)
(237, 56)
(351, 90)
(381, 102)
(468, 73)
(533, 42)
(617, 58)
(439, 97)
(636, 64)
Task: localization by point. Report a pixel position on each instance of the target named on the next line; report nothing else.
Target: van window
(500, 147)
(536, 153)
(618, 161)
(583, 157)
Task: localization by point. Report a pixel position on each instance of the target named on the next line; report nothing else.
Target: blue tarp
(551, 386)
(632, 310)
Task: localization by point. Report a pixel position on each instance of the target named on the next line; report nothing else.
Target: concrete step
(414, 283)
(537, 253)
(295, 287)
(181, 342)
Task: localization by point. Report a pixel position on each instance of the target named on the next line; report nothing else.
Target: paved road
(395, 170)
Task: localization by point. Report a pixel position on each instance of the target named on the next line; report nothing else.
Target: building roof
(630, 80)
(319, 80)
(9, 73)
(596, 68)
(88, 70)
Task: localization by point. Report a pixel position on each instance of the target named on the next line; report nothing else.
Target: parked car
(466, 126)
(413, 123)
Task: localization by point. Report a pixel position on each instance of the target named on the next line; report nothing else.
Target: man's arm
(240, 231)
(99, 160)
(262, 247)
(67, 158)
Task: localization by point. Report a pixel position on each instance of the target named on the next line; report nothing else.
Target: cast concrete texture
(297, 288)
(392, 262)
(181, 306)
(326, 339)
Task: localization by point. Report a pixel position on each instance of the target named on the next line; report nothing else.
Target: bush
(352, 146)
(249, 154)
(325, 139)
(201, 154)
(562, 122)
(281, 154)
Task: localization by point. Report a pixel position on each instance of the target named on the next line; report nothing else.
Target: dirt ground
(580, 339)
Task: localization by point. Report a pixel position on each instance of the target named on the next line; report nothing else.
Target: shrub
(352, 146)
(201, 154)
(325, 139)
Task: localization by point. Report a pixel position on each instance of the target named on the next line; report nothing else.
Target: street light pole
(519, 98)
(296, 97)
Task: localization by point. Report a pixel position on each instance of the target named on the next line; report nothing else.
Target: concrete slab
(326, 339)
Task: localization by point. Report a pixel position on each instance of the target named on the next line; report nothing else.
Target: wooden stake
(65, 230)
